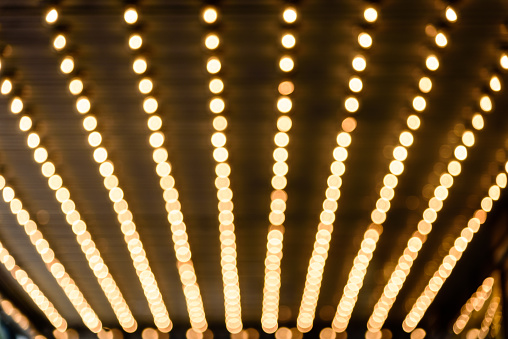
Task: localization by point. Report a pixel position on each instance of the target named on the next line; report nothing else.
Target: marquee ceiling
(413, 167)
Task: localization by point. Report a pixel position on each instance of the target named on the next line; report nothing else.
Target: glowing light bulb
(290, 15)
(288, 41)
(450, 14)
(370, 14)
(52, 16)
(441, 40)
(130, 16)
(359, 63)
(365, 40)
(432, 62)
(135, 41)
(210, 15)
(355, 84)
(212, 41)
(59, 42)
(286, 64)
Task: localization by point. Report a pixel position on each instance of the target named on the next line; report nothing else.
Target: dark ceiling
(326, 33)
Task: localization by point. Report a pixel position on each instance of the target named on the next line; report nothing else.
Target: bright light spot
(6, 87)
(406, 139)
(52, 16)
(419, 103)
(413, 122)
(76, 86)
(284, 105)
(352, 104)
(289, 15)
(83, 105)
(135, 41)
(150, 105)
(359, 63)
(212, 41)
(485, 103)
(67, 65)
(59, 42)
(370, 14)
(139, 66)
(284, 123)
(220, 123)
(355, 84)
(213, 65)
(432, 62)
(468, 138)
(154, 123)
(145, 86)
(216, 86)
(217, 105)
(478, 122)
(504, 61)
(400, 153)
(425, 85)
(450, 14)
(16, 105)
(495, 83)
(210, 15)
(441, 40)
(130, 16)
(365, 40)
(286, 64)
(288, 41)
(454, 168)
(460, 152)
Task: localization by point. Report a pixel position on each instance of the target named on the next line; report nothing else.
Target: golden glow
(436, 282)
(150, 105)
(413, 122)
(485, 103)
(210, 15)
(139, 65)
(216, 86)
(359, 63)
(351, 104)
(451, 15)
(355, 84)
(59, 42)
(495, 83)
(212, 41)
(425, 85)
(231, 288)
(83, 105)
(284, 104)
(6, 87)
(370, 14)
(365, 40)
(289, 15)
(130, 15)
(213, 65)
(51, 16)
(16, 105)
(468, 138)
(76, 86)
(286, 64)
(67, 65)
(441, 40)
(135, 41)
(419, 103)
(288, 41)
(460, 152)
(478, 122)
(432, 62)
(145, 85)
(503, 61)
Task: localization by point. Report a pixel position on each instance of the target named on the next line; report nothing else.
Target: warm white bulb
(130, 16)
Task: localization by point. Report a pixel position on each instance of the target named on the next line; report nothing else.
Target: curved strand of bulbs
(317, 261)
(455, 253)
(390, 181)
(475, 303)
(231, 287)
(111, 182)
(278, 197)
(19, 318)
(32, 290)
(163, 167)
(73, 218)
(429, 216)
(53, 265)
